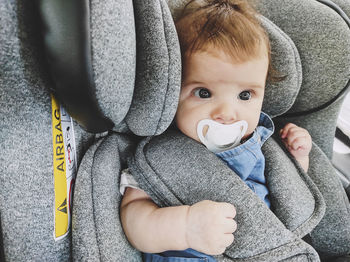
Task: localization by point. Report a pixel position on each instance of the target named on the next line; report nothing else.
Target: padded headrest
(323, 42)
(91, 54)
(280, 96)
(158, 74)
(91, 48)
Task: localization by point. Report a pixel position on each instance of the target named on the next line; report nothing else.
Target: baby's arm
(298, 142)
(206, 226)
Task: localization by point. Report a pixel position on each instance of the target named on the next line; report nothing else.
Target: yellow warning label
(60, 181)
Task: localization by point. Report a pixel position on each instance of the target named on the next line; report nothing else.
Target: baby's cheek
(187, 127)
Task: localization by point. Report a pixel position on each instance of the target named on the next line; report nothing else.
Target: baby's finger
(230, 226)
(228, 210)
(298, 142)
(228, 239)
(284, 131)
(294, 134)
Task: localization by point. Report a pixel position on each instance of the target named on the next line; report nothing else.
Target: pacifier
(221, 137)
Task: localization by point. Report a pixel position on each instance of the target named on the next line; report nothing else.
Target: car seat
(133, 82)
(300, 209)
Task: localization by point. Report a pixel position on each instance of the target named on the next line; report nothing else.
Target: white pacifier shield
(221, 137)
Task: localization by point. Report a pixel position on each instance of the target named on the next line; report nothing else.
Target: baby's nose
(225, 113)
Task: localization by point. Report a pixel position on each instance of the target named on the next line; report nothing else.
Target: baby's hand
(297, 140)
(210, 226)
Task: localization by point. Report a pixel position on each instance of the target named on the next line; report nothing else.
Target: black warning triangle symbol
(63, 206)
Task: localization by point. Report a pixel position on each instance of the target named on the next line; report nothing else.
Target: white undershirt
(127, 180)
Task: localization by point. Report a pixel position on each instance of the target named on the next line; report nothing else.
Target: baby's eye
(202, 93)
(245, 95)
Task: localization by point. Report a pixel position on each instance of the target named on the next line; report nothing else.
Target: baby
(226, 61)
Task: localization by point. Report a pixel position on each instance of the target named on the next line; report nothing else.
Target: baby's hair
(229, 25)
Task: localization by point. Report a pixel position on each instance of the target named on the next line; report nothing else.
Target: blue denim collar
(265, 127)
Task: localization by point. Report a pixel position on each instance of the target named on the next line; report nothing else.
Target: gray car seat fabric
(26, 159)
(287, 182)
(134, 81)
(286, 60)
(158, 70)
(323, 64)
(92, 58)
(331, 236)
(27, 196)
(97, 233)
(162, 165)
(314, 23)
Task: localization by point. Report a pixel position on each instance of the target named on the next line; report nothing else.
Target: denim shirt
(248, 161)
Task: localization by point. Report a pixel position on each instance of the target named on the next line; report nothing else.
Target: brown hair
(229, 25)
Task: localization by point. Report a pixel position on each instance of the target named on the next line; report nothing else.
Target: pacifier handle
(244, 127)
(201, 124)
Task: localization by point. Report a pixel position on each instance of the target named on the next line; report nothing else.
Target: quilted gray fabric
(113, 43)
(308, 31)
(26, 159)
(158, 77)
(325, 60)
(332, 235)
(26, 196)
(97, 234)
(174, 170)
(296, 200)
(343, 4)
(280, 96)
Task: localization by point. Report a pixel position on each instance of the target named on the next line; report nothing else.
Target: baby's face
(216, 88)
